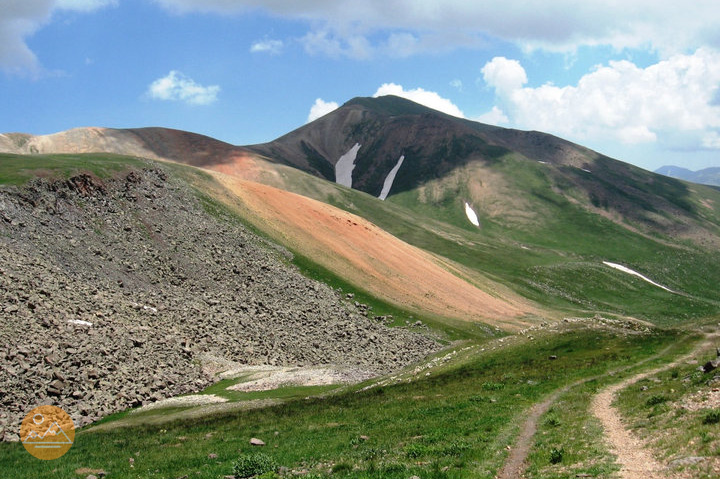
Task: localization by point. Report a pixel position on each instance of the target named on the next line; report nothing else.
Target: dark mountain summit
(361, 145)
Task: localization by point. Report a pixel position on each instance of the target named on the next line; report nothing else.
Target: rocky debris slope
(112, 291)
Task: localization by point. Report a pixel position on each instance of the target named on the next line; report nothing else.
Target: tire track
(516, 463)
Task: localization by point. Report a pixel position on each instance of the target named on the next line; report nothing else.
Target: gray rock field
(111, 292)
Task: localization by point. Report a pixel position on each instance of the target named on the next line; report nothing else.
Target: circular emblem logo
(47, 432)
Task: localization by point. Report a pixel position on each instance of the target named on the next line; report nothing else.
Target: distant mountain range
(707, 176)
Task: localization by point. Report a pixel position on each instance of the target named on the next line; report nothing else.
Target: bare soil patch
(371, 258)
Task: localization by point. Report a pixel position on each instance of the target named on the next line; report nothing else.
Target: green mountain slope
(550, 212)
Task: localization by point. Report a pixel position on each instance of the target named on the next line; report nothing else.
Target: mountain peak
(390, 105)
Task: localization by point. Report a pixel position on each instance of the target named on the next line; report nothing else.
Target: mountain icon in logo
(47, 432)
(49, 438)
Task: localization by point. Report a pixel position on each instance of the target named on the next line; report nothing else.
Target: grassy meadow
(451, 421)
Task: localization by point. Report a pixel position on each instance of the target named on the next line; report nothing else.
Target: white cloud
(85, 5)
(711, 140)
(428, 98)
(19, 19)
(177, 87)
(321, 108)
(327, 43)
(403, 44)
(670, 102)
(274, 47)
(494, 117)
(504, 75)
(558, 25)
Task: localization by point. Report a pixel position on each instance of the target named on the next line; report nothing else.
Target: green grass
(569, 426)
(455, 422)
(19, 169)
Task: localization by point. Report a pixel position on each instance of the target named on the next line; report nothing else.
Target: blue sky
(637, 80)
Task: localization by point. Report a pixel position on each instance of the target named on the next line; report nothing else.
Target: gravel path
(632, 456)
(516, 462)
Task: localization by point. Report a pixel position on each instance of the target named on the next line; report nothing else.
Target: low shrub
(341, 467)
(249, 465)
(556, 455)
(656, 399)
(713, 417)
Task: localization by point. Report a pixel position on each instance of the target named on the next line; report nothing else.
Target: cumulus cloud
(493, 117)
(504, 75)
(428, 98)
(559, 25)
(321, 108)
(177, 87)
(273, 47)
(670, 101)
(21, 18)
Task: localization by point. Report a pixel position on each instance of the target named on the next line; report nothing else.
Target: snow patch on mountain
(345, 166)
(387, 186)
(471, 215)
(627, 270)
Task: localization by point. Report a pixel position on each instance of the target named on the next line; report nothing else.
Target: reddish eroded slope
(371, 258)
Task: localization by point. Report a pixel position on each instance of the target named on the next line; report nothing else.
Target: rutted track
(516, 463)
(634, 459)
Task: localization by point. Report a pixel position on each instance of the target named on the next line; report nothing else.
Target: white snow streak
(471, 215)
(345, 166)
(390, 178)
(627, 270)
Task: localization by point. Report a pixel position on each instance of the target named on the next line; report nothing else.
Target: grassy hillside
(551, 212)
(19, 169)
(541, 242)
(454, 415)
(452, 421)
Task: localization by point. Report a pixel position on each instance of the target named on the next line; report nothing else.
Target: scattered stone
(364, 438)
(686, 461)
(212, 455)
(711, 365)
(117, 288)
(256, 442)
(552, 357)
(87, 470)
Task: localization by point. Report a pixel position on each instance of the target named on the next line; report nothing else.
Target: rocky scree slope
(114, 293)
